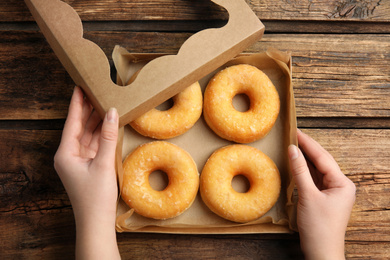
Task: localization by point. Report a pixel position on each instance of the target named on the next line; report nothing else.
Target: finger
(323, 162)
(300, 170)
(90, 127)
(315, 175)
(321, 159)
(85, 115)
(73, 123)
(105, 156)
(94, 144)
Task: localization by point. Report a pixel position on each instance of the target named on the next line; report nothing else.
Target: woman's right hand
(326, 197)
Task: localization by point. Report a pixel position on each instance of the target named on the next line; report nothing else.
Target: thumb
(300, 170)
(105, 155)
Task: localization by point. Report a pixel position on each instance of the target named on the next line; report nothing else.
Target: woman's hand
(85, 162)
(326, 197)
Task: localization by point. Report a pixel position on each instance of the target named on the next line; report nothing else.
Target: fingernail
(292, 152)
(112, 115)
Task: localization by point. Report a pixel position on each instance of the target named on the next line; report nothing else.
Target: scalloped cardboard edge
(160, 79)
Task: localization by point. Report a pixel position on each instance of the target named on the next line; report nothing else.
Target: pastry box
(159, 77)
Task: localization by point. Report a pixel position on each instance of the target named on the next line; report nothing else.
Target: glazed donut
(182, 174)
(225, 120)
(184, 113)
(216, 183)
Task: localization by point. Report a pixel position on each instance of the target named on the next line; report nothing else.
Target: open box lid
(161, 78)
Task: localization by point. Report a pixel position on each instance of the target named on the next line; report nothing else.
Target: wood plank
(343, 122)
(367, 250)
(233, 247)
(363, 151)
(33, 82)
(38, 235)
(343, 75)
(364, 158)
(303, 122)
(326, 26)
(28, 182)
(317, 10)
(220, 247)
(52, 236)
(333, 75)
(261, 246)
(240, 247)
(322, 9)
(271, 26)
(32, 124)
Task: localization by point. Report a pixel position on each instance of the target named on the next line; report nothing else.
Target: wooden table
(341, 77)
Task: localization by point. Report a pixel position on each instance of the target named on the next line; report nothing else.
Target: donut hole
(166, 105)
(240, 183)
(158, 180)
(241, 102)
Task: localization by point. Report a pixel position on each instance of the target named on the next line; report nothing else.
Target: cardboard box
(199, 57)
(88, 66)
(200, 142)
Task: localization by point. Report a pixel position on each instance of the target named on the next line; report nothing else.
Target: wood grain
(333, 75)
(322, 9)
(271, 26)
(317, 10)
(365, 250)
(343, 122)
(363, 156)
(28, 180)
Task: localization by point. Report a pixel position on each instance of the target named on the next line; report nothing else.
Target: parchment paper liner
(200, 142)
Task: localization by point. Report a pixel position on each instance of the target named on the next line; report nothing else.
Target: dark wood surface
(341, 79)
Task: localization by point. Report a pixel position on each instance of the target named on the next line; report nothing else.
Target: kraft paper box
(89, 68)
(200, 142)
(197, 60)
